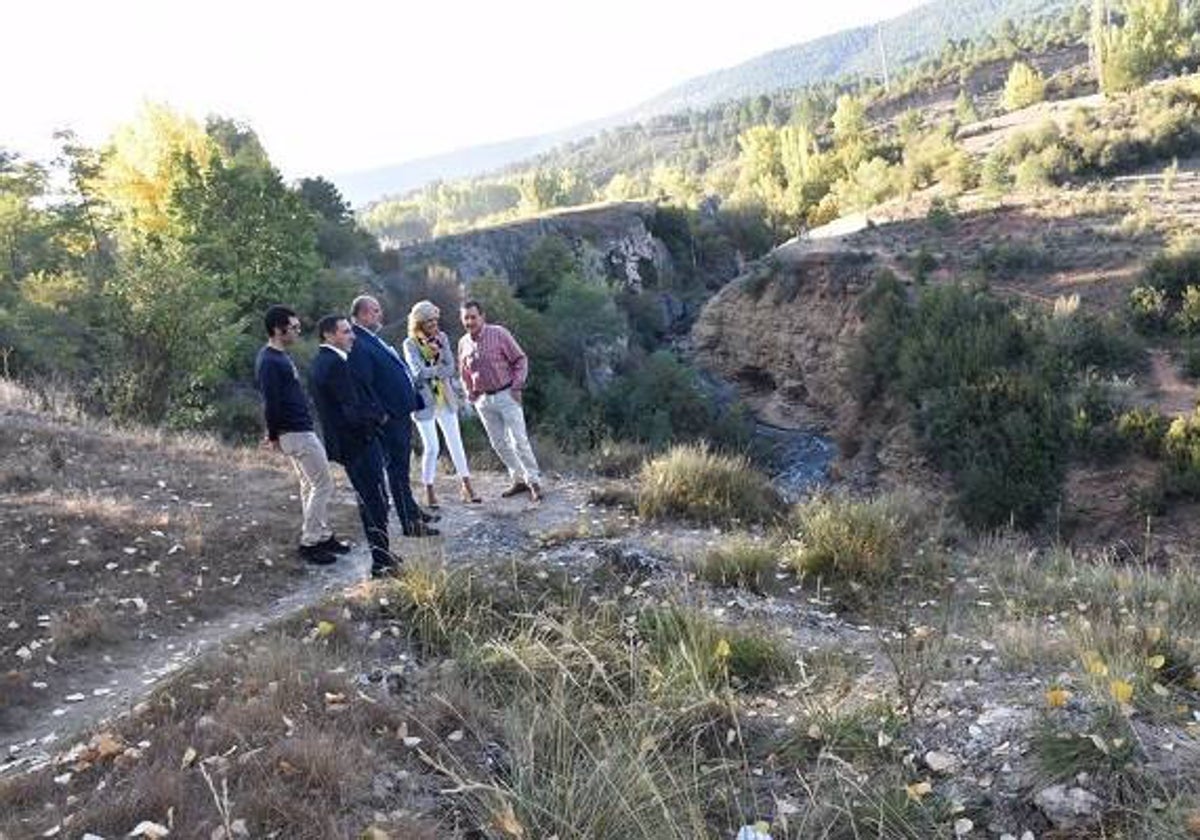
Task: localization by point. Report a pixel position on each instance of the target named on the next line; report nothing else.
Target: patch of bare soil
(123, 549)
(1169, 393)
(982, 137)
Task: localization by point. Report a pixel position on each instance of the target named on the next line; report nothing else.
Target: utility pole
(1102, 13)
(887, 86)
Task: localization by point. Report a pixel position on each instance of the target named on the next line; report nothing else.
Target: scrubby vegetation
(999, 396)
(693, 482)
(861, 542)
(852, 666)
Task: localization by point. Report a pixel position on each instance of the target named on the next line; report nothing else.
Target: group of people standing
(368, 395)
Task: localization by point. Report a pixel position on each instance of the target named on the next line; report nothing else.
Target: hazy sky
(348, 85)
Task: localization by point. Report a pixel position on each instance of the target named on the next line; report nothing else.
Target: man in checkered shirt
(494, 369)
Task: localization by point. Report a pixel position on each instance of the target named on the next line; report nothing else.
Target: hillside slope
(849, 53)
(853, 52)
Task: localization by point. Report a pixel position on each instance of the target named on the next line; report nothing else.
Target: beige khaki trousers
(307, 455)
(504, 421)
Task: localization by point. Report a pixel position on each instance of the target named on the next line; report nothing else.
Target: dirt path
(118, 677)
(1170, 393)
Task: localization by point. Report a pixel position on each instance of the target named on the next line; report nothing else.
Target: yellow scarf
(429, 352)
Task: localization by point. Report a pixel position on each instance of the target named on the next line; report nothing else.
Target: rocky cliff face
(783, 331)
(612, 243)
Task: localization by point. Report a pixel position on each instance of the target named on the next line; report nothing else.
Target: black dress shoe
(420, 529)
(332, 543)
(517, 488)
(391, 571)
(317, 554)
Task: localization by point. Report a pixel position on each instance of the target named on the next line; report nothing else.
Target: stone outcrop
(611, 243)
(783, 333)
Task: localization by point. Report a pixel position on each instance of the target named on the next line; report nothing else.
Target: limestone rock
(1068, 807)
(941, 762)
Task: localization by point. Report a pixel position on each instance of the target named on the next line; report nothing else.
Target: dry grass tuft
(859, 541)
(744, 563)
(693, 482)
(80, 627)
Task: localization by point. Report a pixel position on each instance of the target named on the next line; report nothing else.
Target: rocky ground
(952, 688)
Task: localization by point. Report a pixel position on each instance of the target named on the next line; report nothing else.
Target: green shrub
(854, 540)
(922, 265)
(1094, 419)
(1187, 319)
(873, 363)
(988, 394)
(1181, 443)
(1032, 174)
(1005, 441)
(957, 335)
(1169, 291)
(871, 183)
(662, 400)
(994, 176)
(1094, 342)
(1010, 260)
(1176, 268)
(1145, 429)
(1156, 123)
(942, 214)
(960, 172)
(1148, 308)
(1045, 135)
(692, 482)
(989, 407)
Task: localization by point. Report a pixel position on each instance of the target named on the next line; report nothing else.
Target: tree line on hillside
(135, 273)
(134, 277)
(801, 157)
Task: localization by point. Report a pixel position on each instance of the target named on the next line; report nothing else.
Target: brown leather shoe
(517, 488)
(535, 491)
(467, 493)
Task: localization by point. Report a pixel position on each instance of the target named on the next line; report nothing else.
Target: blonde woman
(432, 364)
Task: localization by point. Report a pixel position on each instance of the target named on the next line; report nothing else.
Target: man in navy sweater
(383, 373)
(290, 431)
(350, 422)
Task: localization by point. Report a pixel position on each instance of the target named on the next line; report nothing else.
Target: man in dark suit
(350, 421)
(380, 368)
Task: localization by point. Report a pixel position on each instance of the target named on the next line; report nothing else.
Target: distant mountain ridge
(372, 184)
(851, 52)
(906, 38)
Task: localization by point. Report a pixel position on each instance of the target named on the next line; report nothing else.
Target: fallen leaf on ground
(1121, 691)
(918, 790)
(1056, 698)
(507, 822)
